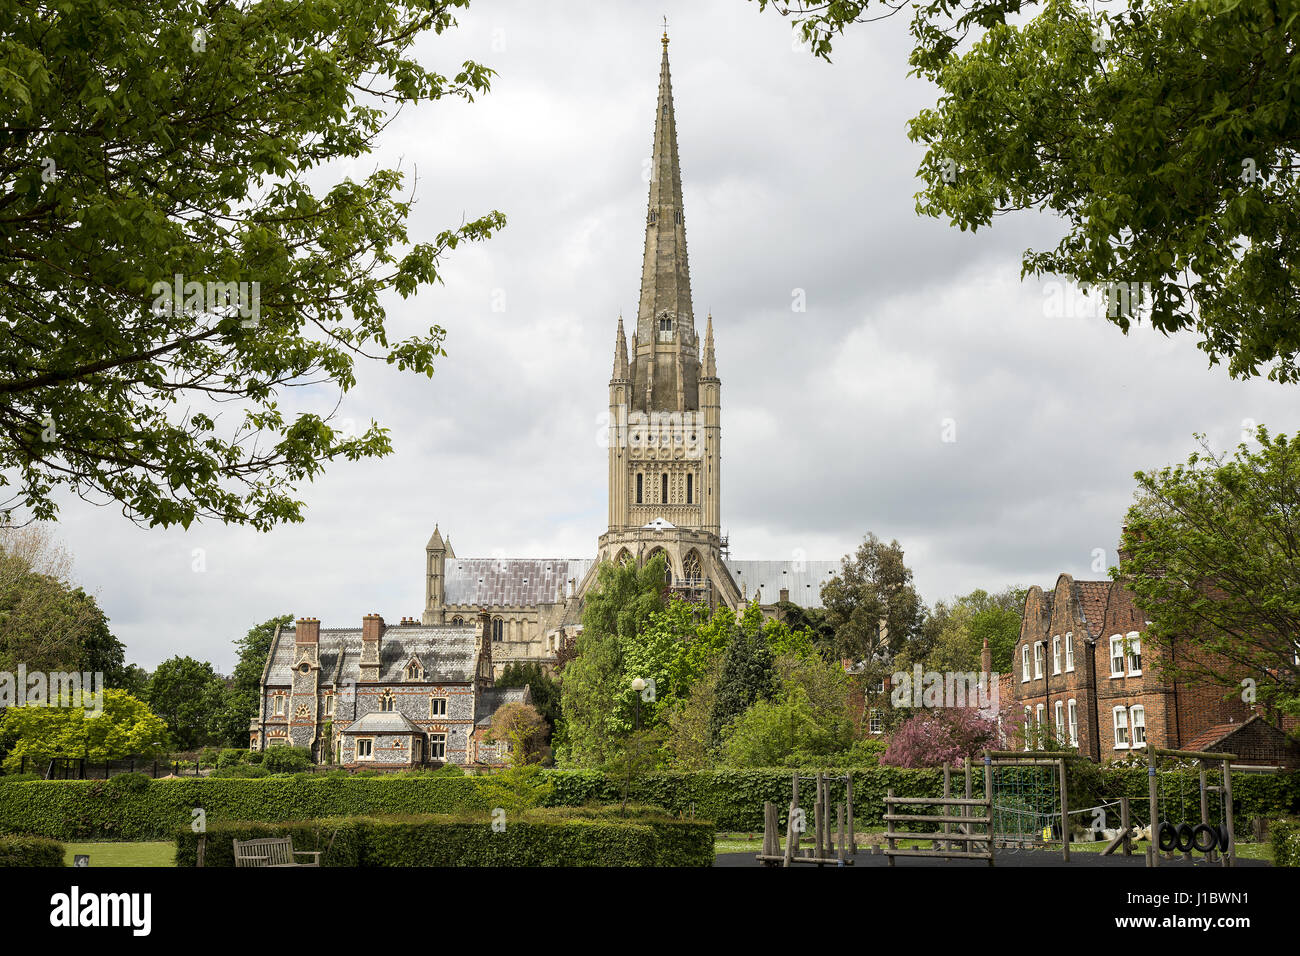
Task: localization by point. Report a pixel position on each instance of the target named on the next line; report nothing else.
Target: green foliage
(515, 789)
(148, 139)
(188, 695)
(231, 757)
(125, 728)
(30, 851)
(746, 675)
(545, 689)
(872, 603)
(1158, 133)
(239, 702)
(589, 837)
(1213, 558)
(287, 759)
(1285, 838)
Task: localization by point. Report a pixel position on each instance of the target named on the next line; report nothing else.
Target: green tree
(144, 140)
(596, 696)
(523, 730)
(1212, 555)
(954, 632)
(1160, 135)
(124, 728)
(746, 674)
(872, 604)
(240, 699)
(188, 696)
(544, 689)
(46, 622)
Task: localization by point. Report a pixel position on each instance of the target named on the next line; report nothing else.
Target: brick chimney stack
(306, 639)
(986, 659)
(372, 630)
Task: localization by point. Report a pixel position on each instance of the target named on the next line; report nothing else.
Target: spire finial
(665, 40)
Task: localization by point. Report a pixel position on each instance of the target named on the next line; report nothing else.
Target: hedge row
(1285, 836)
(538, 839)
(30, 851)
(137, 808)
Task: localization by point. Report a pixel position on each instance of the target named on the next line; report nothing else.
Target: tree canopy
(1163, 135)
(1211, 552)
(872, 603)
(177, 247)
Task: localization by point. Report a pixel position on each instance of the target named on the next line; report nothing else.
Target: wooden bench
(272, 851)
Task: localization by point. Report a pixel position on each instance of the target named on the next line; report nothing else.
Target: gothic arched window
(387, 703)
(691, 569)
(639, 482)
(498, 629)
(458, 621)
(664, 497)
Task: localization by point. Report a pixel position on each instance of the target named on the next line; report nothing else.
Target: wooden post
(839, 820)
(1124, 823)
(1153, 802)
(853, 839)
(947, 792)
(1231, 854)
(819, 811)
(1205, 806)
(889, 824)
(1065, 812)
(202, 848)
(988, 800)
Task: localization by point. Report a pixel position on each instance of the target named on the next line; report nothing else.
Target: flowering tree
(936, 736)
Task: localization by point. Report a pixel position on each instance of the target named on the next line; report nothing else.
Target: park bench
(273, 851)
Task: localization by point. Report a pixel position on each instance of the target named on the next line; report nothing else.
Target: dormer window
(414, 671)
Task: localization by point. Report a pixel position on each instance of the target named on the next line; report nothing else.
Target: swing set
(1175, 799)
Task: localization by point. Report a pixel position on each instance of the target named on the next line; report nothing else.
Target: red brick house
(1081, 670)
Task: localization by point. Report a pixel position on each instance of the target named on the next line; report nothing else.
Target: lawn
(123, 854)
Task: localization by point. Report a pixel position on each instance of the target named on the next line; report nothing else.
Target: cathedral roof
(510, 582)
(765, 579)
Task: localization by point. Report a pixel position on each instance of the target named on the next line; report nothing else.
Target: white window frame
(1117, 642)
(434, 711)
(1040, 654)
(279, 700)
(438, 747)
(1056, 654)
(1029, 723)
(1132, 652)
(874, 722)
(1137, 720)
(1069, 650)
(329, 705)
(365, 740)
(1058, 714)
(1119, 721)
(1072, 715)
(1024, 663)
(1040, 713)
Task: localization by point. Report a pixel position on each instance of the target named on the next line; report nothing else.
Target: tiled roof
(765, 579)
(384, 723)
(1213, 735)
(446, 654)
(496, 582)
(1093, 596)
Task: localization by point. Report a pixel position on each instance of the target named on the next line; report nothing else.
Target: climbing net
(1026, 811)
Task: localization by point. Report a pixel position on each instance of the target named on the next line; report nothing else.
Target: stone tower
(665, 402)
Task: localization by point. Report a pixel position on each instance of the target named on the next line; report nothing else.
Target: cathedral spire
(620, 351)
(710, 363)
(665, 320)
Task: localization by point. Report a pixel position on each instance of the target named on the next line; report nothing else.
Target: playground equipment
(1025, 805)
(1175, 792)
(844, 848)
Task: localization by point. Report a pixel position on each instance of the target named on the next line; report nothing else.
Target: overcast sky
(798, 175)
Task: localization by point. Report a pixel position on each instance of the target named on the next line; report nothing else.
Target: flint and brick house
(384, 697)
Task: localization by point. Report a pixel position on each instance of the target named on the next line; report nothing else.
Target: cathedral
(665, 456)
(424, 691)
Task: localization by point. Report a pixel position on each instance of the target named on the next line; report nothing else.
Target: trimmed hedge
(545, 838)
(733, 799)
(1285, 837)
(30, 851)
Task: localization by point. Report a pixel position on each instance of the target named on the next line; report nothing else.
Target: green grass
(123, 854)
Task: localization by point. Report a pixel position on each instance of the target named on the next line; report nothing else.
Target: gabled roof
(1093, 597)
(390, 722)
(765, 579)
(446, 654)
